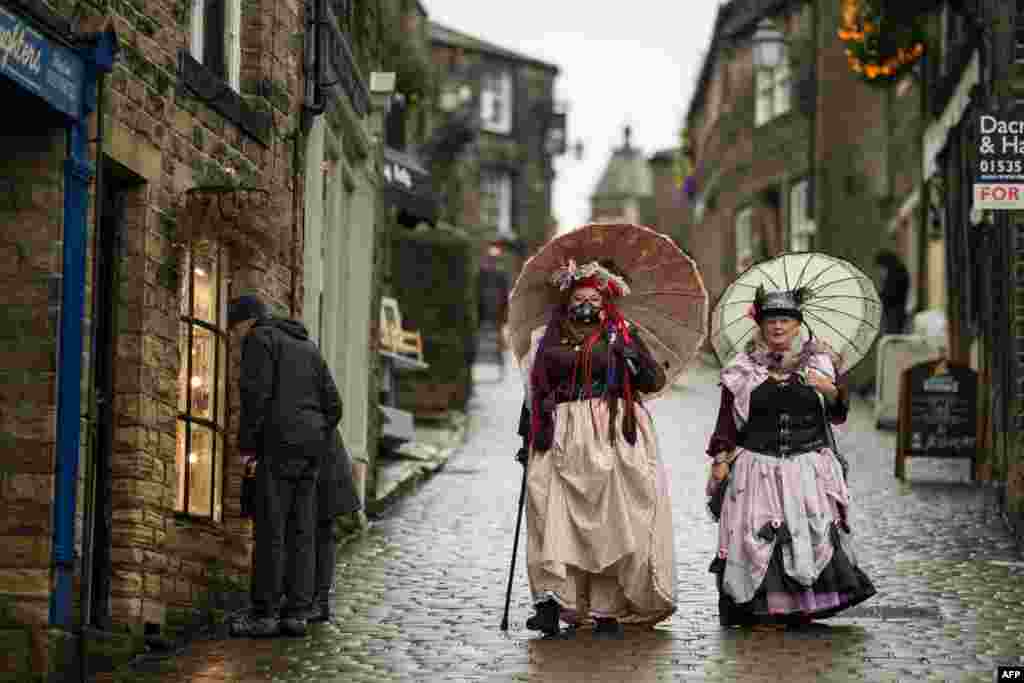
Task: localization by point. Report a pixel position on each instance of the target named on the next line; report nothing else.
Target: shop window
(216, 28)
(744, 239)
(801, 227)
(202, 379)
(496, 200)
(773, 91)
(496, 102)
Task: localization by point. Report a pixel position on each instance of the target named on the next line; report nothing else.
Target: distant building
(625, 191)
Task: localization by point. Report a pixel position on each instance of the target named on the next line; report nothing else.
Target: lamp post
(769, 45)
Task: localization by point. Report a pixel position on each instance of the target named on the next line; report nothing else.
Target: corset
(785, 419)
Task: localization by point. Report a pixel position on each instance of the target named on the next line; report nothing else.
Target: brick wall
(31, 191)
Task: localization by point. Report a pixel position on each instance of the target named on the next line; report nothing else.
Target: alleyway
(420, 598)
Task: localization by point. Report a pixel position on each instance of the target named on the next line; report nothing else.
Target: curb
(415, 462)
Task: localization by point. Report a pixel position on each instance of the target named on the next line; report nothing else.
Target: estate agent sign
(51, 71)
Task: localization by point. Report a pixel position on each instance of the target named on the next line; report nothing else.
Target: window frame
(216, 424)
(773, 90)
(232, 38)
(501, 179)
(496, 86)
(799, 225)
(747, 213)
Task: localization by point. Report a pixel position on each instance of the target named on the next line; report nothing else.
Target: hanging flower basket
(883, 40)
(247, 220)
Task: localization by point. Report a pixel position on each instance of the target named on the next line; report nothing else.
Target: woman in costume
(777, 485)
(599, 530)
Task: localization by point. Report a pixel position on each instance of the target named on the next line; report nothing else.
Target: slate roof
(449, 36)
(626, 175)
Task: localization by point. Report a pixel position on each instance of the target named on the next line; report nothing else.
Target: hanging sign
(999, 170)
(51, 71)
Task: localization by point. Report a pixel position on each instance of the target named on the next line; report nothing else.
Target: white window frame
(496, 192)
(802, 229)
(773, 90)
(744, 231)
(496, 102)
(232, 38)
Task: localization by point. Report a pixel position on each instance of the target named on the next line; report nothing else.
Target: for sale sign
(999, 174)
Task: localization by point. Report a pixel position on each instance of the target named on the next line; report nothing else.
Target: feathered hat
(593, 274)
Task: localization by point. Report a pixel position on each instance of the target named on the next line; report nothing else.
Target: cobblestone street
(420, 597)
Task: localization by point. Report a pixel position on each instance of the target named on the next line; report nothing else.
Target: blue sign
(51, 71)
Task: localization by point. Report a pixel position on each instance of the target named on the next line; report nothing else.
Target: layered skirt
(599, 524)
(785, 547)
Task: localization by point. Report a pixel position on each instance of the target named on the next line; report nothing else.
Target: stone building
(783, 164)
(500, 187)
(215, 158)
(624, 192)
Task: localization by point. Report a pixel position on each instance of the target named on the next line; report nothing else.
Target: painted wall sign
(51, 71)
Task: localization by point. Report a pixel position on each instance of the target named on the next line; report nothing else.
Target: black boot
(607, 628)
(320, 613)
(546, 618)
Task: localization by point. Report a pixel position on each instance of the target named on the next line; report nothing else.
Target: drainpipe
(100, 407)
(77, 175)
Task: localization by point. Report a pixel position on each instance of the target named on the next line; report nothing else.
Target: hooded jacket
(288, 396)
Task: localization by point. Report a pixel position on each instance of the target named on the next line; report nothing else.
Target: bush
(434, 281)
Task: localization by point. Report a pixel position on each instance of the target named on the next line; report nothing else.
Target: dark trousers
(326, 558)
(287, 488)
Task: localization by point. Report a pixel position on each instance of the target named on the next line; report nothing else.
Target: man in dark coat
(289, 409)
(894, 291)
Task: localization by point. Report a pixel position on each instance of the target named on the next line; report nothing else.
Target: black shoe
(320, 615)
(608, 628)
(546, 618)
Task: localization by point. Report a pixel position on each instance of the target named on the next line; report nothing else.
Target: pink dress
(785, 549)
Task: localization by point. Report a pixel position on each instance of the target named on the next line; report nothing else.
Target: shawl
(750, 369)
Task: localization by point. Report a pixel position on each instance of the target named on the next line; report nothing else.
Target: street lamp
(769, 45)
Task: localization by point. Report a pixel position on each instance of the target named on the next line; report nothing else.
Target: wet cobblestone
(420, 597)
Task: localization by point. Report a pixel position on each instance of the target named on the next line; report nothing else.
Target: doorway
(107, 248)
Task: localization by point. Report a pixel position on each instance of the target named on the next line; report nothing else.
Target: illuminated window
(202, 396)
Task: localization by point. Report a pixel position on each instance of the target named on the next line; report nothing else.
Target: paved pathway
(420, 598)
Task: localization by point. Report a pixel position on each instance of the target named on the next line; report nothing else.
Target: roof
(734, 18)
(663, 156)
(626, 175)
(449, 36)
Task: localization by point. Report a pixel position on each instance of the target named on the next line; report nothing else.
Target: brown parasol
(667, 301)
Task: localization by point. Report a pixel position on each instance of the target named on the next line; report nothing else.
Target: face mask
(585, 313)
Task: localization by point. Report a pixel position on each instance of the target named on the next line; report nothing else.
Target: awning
(407, 186)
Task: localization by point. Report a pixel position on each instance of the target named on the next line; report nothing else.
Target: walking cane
(515, 550)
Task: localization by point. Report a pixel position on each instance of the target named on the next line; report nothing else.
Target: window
(496, 201)
(773, 91)
(744, 239)
(216, 25)
(202, 398)
(801, 228)
(496, 102)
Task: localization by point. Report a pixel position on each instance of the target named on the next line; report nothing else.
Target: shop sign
(51, 71)
(999, 170)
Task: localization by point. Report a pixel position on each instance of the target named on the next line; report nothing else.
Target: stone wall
(31, 217)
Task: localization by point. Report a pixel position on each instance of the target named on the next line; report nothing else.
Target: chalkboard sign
(938, 416)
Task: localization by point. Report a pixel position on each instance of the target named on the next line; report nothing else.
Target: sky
(621, 63)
